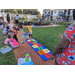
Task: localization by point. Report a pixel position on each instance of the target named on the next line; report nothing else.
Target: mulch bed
(20, 52)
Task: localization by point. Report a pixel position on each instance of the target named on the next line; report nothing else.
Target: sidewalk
(47, 25)
(20, 52)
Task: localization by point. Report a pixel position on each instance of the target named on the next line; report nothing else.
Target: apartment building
(52, 14)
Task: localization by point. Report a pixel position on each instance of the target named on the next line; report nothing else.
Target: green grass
(48, 36)
(8, 58)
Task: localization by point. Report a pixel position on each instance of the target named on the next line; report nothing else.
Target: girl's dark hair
(21, 26)
(7, 27)
(74, 14)
(7, 14)
(9, 36)
(29, 23)
(14, 27)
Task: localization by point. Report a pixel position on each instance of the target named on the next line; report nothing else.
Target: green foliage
(24, 11)
(35, 22)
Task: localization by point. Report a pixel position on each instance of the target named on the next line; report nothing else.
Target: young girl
(11, 41)
(41, 22)
(29, 28)
(6, 30)
(21, 28)
(15, 33)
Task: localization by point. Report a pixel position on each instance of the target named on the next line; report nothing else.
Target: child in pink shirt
(11, 41)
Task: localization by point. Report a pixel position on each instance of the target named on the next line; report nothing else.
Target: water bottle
(27, 55)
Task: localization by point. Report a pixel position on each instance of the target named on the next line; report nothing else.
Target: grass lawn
(48, 36)
(8, 58)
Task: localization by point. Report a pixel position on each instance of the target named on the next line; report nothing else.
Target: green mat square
(34, 41)
(40, 48)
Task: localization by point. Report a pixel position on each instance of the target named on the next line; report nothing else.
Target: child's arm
(27, 30)
(7, 43)
(13, 30)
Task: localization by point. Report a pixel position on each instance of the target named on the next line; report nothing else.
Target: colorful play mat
(42, 51)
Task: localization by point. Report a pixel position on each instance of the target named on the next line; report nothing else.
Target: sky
(41, 11)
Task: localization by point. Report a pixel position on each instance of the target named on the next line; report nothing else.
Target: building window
(52, 13)
(49, 12)
(45, 12)
(55, 12)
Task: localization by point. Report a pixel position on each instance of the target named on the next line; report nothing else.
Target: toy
(23, 45)
(5, 50)
(28, 63)
(22, 36)
(26, 35)
(21, 41)
(41, 50)
(27, 56)
(22, 60)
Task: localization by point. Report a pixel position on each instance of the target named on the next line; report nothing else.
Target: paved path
(47, 25)
(20, 52)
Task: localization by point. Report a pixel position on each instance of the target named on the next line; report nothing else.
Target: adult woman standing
(8, 18)
(65, 50)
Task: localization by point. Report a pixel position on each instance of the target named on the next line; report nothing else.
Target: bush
(35, 18)
(34, 22)
(65, 24)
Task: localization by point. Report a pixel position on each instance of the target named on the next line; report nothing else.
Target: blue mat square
(28, 63)
(44, 57)
(36, 49)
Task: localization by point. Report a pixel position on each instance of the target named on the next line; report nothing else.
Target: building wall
(55, 13)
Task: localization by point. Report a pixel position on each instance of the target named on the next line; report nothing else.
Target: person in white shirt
(16, 19)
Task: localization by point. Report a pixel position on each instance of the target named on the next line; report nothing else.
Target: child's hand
(61, 36)
(52, 56)
(7, 43)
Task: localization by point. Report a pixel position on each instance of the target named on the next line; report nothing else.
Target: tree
(24, 11)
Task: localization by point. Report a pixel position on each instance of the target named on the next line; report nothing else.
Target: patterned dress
(67, 56)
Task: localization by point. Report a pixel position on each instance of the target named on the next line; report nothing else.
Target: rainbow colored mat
(42, 51)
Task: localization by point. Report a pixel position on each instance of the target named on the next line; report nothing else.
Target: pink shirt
(6, 41)
(14, 42)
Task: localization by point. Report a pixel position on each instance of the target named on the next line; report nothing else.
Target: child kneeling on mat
(29, 28)
(11, 41)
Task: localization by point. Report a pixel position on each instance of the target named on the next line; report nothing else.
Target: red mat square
(48, 55)
(39, 45)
